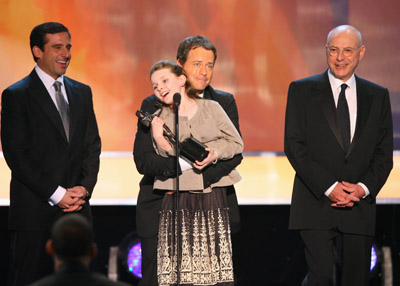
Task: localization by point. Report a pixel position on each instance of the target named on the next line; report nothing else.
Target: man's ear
(93, 251)
(37, 52)
(49, 247)
(178, 62)
(362, 52)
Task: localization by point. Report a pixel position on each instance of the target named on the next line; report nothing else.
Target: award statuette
(191, 149)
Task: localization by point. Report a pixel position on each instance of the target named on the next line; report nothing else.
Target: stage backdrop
(262, 46)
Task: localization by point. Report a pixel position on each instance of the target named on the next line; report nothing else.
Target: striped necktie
(63, 107)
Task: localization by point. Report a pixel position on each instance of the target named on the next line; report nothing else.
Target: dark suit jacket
(150, 164)
(313, 145)
(38, 153)
(76, 275)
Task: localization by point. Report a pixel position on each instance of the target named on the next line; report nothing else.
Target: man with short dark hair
(197, 56)
(72, 247)
(339, 140)
(51, 143)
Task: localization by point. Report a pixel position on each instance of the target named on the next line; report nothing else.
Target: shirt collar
(47, 80)
(336, 83)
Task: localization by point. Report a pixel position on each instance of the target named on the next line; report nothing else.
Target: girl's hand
(212, 157)
(157, 130)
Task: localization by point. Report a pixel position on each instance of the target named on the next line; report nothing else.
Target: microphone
(177, 98)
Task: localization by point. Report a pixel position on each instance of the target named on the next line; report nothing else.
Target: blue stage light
(134, 260)
(374, 258)
(130, 257)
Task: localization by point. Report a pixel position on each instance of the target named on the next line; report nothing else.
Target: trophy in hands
(191, 149)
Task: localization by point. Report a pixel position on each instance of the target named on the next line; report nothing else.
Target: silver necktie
(63, 107)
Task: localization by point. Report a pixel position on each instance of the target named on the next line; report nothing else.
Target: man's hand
(341, 198)
(69, 203)
(212, 156)
(338, 194)
(354, 189)
(78, 191)
(77, 195)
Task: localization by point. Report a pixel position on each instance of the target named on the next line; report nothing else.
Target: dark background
(267, 253)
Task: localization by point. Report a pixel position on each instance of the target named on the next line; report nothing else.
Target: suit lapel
(41, 95)
(364, 103)
(325, 99)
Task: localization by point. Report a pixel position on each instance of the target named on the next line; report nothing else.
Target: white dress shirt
(48, 82)
(351, 97)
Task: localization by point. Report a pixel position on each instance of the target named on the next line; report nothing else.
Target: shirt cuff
(57, 196)
(329, 191)
(365, 189)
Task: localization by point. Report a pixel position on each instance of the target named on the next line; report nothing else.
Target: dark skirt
(205, 247)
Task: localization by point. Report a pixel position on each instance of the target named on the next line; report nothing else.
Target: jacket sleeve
(382, 160)
(214, 172)
(315, 176)
(16, 145)
(147, 161)
(229, 142)
(92, 148)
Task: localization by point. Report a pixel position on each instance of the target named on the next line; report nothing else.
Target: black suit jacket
(38, 153)
(150, 164)
(313, 145)
(77, 275)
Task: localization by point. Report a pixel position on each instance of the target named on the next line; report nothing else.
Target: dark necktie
(63, 107)
(344, 117)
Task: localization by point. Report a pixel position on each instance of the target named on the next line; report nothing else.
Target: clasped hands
(345, 194)
(73, 199)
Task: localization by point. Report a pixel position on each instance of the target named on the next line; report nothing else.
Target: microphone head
(177, 98)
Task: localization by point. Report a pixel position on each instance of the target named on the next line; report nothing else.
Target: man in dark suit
(72, 247)
(339, 140)
(51, 143)
(197, 56)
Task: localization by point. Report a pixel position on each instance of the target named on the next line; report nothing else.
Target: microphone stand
(146, 119)
(177, 101)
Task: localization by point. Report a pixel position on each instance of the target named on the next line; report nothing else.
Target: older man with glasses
(339, 140)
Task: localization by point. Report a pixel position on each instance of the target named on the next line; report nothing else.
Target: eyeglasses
(347, 52)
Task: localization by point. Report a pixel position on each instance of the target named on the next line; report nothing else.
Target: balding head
(346, 29)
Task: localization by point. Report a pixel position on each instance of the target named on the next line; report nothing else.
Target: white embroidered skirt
(205, 247)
